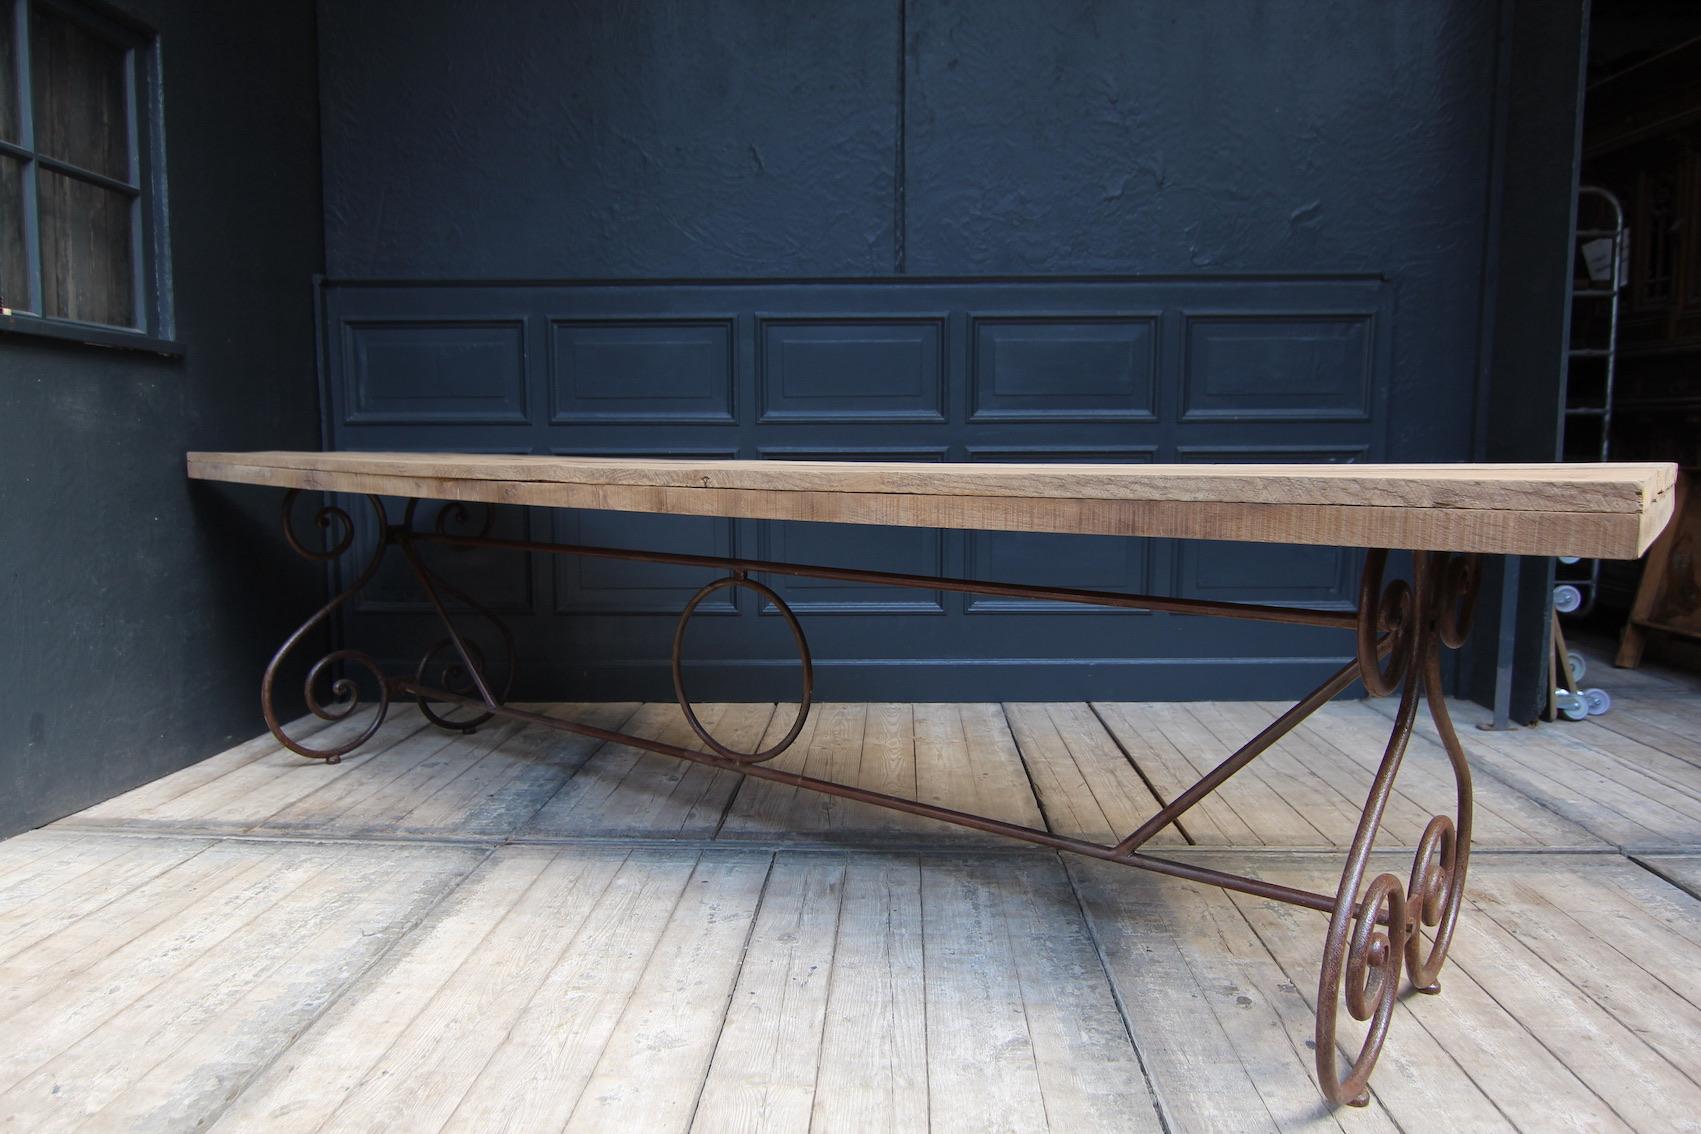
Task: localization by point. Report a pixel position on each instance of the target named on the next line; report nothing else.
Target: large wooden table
(1446, 516)
(1596, 511)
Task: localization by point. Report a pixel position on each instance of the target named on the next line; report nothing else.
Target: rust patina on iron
(1380, 927)
(1400, 630)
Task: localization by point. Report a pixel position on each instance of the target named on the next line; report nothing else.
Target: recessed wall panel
(435, 371)
(1265, 572)
(1278, 367)
(585, 585)
(641, 370)
(1063, 369)
(852, 369)
(1220, 368)
(910, 551)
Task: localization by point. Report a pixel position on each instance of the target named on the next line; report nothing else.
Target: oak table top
(1604, 511)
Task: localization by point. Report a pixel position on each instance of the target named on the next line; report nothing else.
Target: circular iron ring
(740, 579)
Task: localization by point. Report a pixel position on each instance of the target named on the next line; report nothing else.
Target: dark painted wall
(771, 138)
(135, 612)
(756, 137)
(1526, 314)
(1090, 370)
(778, 140)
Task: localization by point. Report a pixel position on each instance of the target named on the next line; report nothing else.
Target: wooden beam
(1610, 511)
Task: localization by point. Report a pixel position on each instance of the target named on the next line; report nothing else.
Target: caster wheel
(1597, 701)
(1571, 705)
(1577, 664)
(1566, 598)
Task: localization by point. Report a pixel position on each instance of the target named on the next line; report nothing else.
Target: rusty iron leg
(1376, 931)
(345, 690)
(456, 661)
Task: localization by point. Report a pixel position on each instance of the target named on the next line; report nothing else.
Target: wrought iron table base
(1400, 630)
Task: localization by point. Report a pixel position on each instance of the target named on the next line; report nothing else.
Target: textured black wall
(759, 138)
(135, 611)
(771, 138)
(1525, 303)
(546, 140)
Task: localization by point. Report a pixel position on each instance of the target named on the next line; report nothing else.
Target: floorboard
(1683, 871)
(144, 1014)
(1619, 791)
(525, 929)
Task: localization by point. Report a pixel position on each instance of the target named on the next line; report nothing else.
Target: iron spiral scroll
(1382, 927)
(456, 662)
(344, 689)
(1377, 932)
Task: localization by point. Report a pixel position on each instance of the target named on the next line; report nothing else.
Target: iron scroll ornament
(458, 661)
(345, 690)
(1372, 935)
(1381, 927)
(1437, 885)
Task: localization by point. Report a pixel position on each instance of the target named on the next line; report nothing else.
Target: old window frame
(152, 324)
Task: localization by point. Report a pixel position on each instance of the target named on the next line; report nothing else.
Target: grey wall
(136, 612)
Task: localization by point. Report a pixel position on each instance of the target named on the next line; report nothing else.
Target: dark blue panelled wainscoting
(1137, 370)
(1249, 189)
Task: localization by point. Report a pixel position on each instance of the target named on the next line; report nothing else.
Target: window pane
(85, 252)
(77, 82)
(14, 272)
(8, 76)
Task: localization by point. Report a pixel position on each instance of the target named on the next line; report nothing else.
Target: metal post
(1505, 639)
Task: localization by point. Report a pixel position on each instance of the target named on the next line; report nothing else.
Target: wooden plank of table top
(1610, 511)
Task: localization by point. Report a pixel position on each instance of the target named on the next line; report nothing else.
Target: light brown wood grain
(1659, 605)
(1610, 511)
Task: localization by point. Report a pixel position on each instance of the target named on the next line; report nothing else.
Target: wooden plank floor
(528, 930)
